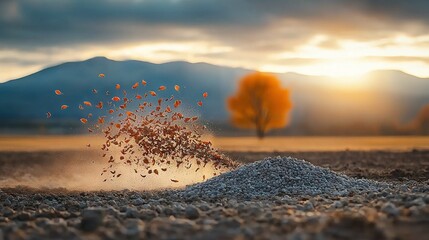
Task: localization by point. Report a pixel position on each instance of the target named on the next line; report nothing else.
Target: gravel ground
(277, 198)
(376, 165)
(279, 176)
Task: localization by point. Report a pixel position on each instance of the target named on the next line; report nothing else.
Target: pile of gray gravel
(276, 177)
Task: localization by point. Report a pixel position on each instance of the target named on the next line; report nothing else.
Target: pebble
(7, 211)
(337, 204)
(308, 206)
(133, 228)
(390, 209)
(7, 202)
(138, 202)
(23, 216)
(147, 214)
(132, 213)
(192, 212)
(92, 218)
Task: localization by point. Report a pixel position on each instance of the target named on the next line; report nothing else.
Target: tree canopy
(260, 103)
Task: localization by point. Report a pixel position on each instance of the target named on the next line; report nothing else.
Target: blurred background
(351, 68)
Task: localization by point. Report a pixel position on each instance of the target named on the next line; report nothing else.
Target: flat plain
(50, 188)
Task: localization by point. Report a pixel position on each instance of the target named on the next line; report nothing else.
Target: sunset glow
(226, 119)
(301, 39)
(350, 58)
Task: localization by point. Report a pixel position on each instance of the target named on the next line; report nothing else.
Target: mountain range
(384, 102)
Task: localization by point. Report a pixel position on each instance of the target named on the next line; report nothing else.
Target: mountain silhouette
(320, 107)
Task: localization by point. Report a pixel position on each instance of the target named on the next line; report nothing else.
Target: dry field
(64, 200)
(242, 144)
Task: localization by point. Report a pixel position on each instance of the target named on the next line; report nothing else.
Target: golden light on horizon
(321, 55)
(352, 59)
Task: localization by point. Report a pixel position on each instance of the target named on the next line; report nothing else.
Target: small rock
(390, 209)
(337, 204)
(192, 212)
(418, 202)
(92, 218)
(46, 213)
(133, 228)
(123, 208)
(7, 211)
(138, 201)
(426, 199)
(308, 206)
(72, 206)
(111, 222)
(132, 213)
(204, 207)
(57, 223)
(147, 214)
(23, 216)
(7, 202)
(112, 202)
(414, 211)
(42, 222)
(168, 211)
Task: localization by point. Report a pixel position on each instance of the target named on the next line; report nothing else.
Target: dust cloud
(81, 170)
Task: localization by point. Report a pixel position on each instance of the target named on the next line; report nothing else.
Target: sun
(341, 72)
(338, 68)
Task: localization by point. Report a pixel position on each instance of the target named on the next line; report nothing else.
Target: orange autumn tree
(260, 103)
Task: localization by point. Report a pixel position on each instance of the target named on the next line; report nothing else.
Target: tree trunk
(260, 133)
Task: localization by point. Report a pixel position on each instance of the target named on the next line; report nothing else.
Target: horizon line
(212, 64)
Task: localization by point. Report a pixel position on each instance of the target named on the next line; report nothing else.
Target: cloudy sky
(339, 38)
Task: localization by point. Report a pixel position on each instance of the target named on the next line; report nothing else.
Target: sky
(338, 38)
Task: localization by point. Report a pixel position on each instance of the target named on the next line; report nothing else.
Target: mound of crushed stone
(279, 176)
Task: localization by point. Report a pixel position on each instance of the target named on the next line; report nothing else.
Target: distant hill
(320, 107)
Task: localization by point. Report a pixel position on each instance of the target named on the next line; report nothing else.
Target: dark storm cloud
(239, 23)
(46, 22)
(399, 10)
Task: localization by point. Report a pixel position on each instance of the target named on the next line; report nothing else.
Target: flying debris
(177, 103)
(151, 135)
(99, 105)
